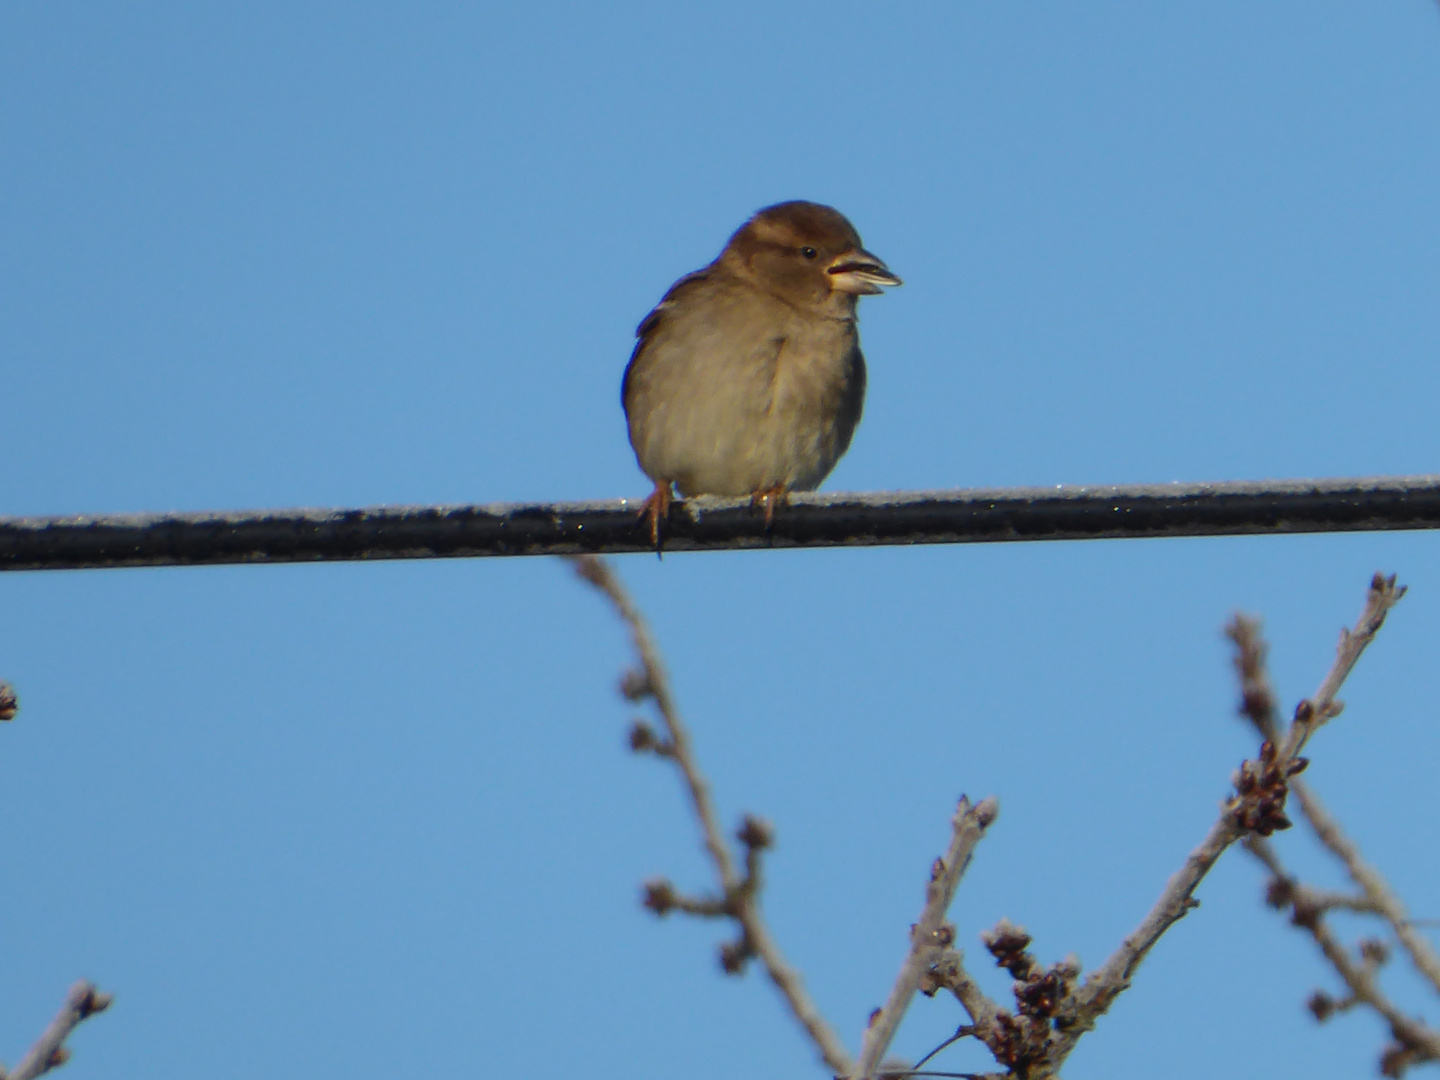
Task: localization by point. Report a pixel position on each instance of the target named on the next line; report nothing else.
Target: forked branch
(1051, 1013)
(930, 937)
(739, 895)
(1413, 1041)
(1255, 810)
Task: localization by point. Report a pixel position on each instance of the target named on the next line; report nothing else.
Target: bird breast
(743, 392)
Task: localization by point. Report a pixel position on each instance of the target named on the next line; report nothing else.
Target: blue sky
(379, 819)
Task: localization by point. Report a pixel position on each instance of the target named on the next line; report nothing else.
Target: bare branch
(1051, 1015)
(1379, 897)
(49, 1051)
(1257, 697)
(1416, 1041)
(949, 972)
(792, 988)
(740, 894)
(1322, 707)
(1256, 808)
(654, 683)
(930, 936)
(661, 897)
(1105, 984)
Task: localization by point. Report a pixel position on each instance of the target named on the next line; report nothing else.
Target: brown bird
(747, 378)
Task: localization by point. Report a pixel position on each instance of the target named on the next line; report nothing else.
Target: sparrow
(747, 378)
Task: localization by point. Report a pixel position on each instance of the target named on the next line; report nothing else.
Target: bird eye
(809, 252)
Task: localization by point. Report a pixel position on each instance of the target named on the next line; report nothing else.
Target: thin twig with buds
(1051, 1013)
(1257, 808)
(1322, 707)
(1414, 1041)
(931, 935)
(82, 1002)
(49, 1052)
(1379, 897)
(1113, 977)
(739, 897)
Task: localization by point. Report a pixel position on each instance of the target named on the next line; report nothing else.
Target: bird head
(807, 255)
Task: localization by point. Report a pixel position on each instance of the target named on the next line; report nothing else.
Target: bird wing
(648, 325)
(668, 301)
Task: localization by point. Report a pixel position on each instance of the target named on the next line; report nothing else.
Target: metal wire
(707, 524)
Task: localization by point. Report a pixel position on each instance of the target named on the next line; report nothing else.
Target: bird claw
(771, 500)
(655, 507)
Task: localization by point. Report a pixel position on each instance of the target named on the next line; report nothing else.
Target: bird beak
(860, 273)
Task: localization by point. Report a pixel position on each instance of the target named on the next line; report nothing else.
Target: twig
(964, 1031)
(1105, 984)
(83, 1000)
(930, 936)
(1322, 707)
(1257, 696)
(655, 683)
(49, 1051)
(1379, 897)
(1416, 1041)
(1256, 808)
(740, 895)
(949, 972)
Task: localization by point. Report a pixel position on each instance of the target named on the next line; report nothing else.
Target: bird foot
(654, 508)
(772, 500)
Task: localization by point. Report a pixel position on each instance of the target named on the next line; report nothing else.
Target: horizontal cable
(708, 524)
